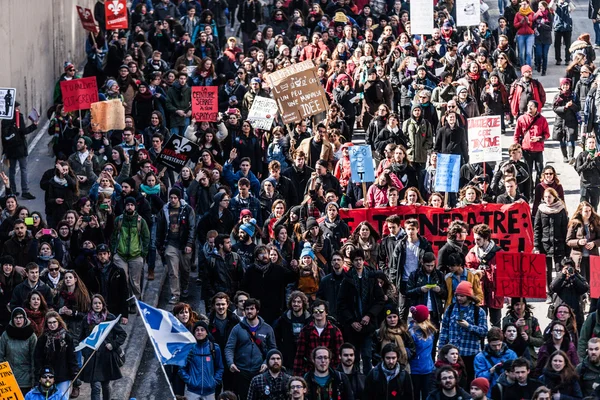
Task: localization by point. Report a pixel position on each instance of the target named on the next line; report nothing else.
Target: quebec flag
(171, 339)
(99, 333)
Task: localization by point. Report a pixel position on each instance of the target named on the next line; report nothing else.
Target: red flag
(116, 14)
(87, 19)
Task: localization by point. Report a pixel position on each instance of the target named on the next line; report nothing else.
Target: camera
(570, 271)
(86, 218)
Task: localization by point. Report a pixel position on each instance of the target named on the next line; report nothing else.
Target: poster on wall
(7, 102)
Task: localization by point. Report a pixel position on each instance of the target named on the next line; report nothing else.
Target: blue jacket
(35, 394)
(243, 352)
(202, 373)
(562, 18)
(485, 360)
(422, 362)
(232, 179)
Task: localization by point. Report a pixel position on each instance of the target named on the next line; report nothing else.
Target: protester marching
(324, 195)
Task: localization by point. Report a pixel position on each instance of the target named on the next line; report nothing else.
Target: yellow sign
(9, 389)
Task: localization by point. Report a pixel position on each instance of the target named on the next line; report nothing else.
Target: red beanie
(465, 289)
(419, 313)
(481, 383)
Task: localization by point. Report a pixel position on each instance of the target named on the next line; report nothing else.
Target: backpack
(450, 310)
(119, 224)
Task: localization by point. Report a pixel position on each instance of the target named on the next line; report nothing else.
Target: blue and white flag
(98, 335)
(171, 339)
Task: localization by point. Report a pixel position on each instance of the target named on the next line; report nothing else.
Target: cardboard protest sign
(485, 139)
(116, 14)
(262, 113)
(421, 17)
(510, 223)
(361, 164)
(205, 103)
(298, 92)
(176, 152)
(107, 115)
(9, 388)
(594, 277)
(87, 19)
(447, 173)
(521, 275)
(79, 94)
(7, 102)
(468, 12)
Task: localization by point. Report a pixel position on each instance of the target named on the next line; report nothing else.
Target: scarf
(53, 336)
(60, 181)
(563, 98)
(18, 119)
(482, 252)
(474, 75)
(394, 336)
(525, 12)
(592, 152)
(83, 156)
(54, 280)
(553, 208)
(390, 373)
(107, 190)
(455, 244)
(150, 189)
(94, 318)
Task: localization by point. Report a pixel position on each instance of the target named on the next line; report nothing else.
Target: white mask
(511, 335)
(557, 335)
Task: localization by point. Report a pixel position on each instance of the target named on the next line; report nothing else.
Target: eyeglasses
(35, 217)
(52, 269)
(317, 311)
(108, 169)
(297, 387)
(549, 173)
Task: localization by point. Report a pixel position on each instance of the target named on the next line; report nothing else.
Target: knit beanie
(391, 309)
(311, 222)
(201, 323)
(130, 181)
(419, 313)
(88, 141)
(18, 311)
(130, 200)
(465, 288)
(249, 227)
(271, 353)
(481, 383)
(307, 251)
(175, 192)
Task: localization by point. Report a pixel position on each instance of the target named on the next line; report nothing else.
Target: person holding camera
(568, 287)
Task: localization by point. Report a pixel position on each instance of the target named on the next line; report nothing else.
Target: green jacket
(178, 98)
(17, 346)
(420, 139)
(129, 241)
(590, 329)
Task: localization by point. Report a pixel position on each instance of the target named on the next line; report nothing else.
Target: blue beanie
(249, 227)
(307, 251)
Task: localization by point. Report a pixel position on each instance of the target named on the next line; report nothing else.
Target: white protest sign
(421, 17)
(262, 113)
(7, 102)
(485, 139)
(467, 12)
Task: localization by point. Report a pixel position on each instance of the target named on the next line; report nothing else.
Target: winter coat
(185, 221)
(539, 129)
(247, 354)
(588, 168)
(287, 334)
(113, 292)
(398, 260)
(452, 140)
(407, 342)
(569, 290)
(517, 90)
(566, 124)
(375, 126)
(387, 136)
(326, 151)
(178, 98)
(485, 360)
(248, 146)
(203, 369)
(37, 394)
(562, 17)
(329, 289)
(337, 384)
(379, 387)
(543, 27)
(60, 355)
(17, 346)
(14, 142)
(416, 296)
(550, 231)
(488, 281)
(420, 139)
(349, 298)
(524, 24)
(104, 365)
(548, 348)
(539, 193)
(130, 241)
(569, 390)
(575, 232)
(589, 375)
(496, 103)
(441, 94)
(532, 328)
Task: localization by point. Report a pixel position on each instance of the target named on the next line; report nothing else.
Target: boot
(544, 73)
(564, 153)
(571, 154)
(538, 67)
(151, 275)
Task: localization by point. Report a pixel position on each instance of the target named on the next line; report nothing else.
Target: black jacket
(386, 249)
(588, 168)
(60, 355)
(357, 382)
(114, 292)
(550, 232)
(452, 141)
(462, 395)
(287, 333)
(23, 289)
(444, 253)
(225, 274)
(335, 232)
(103, 366)
(380, 388)
(570, 289)
(398, 261)
(299, 178)
(186, 222)
(58, 191)
(14, 142)
(338, 385)
(221, 339)
(329, 289)
(417, 279)
(349, 296)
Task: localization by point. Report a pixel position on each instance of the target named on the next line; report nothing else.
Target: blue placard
(447, 173)
(361, 164)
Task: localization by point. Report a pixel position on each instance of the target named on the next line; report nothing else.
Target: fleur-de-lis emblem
(86, 13)
(115, 7)
(182, 145)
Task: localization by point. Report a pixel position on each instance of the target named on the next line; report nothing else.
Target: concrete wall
(37, 37)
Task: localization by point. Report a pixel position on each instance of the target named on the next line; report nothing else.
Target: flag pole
(79, 373)
(137, 304)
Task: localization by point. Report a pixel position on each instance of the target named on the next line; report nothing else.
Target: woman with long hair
(421, 365)
(365, 237)
(560, 377)
(36, 308)
(449, 355)
(412, 197)
(549, 179)
(556, 338)
(73, 301)
(565, 314)
(550, 231)
(56, 348)
(188, 317)
(523, 25)
(62, 192)
(394, 330)
(106, 362)
(17, 346)
(469, 195)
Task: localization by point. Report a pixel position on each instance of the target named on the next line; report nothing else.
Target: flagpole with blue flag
(171, 340)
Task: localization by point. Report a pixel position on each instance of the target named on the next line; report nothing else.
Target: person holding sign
(452, 139)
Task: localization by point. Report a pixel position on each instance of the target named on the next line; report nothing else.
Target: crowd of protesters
(301, 304)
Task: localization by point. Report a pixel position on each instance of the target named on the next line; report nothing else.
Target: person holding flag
(101, 352)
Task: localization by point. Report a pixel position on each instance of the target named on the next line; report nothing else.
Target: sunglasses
(318, 311)
(52, 269)
(48, 376)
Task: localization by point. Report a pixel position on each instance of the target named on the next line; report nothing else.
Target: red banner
(116, 14)
(594, 277)
(521, 275)
(510, 223)
(87, 19)
(205, 103)
(79, 94)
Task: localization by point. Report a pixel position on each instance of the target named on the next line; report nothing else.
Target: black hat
(202, 324)
(102, 247)
(140, 37)
(7, 259)
(311, 222)
(391, 309)
(130, 200)
(122, 34)
(272, 352)
(18, 311)
(47, 371)
(130, 181)
(175, 192)
(229, 75)
(372, 71)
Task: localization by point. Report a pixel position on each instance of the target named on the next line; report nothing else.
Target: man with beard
(317, 147)
(221, 322)
(447, 381)
(288, 327)
(347, 366)
(117, 50)
(179, 100)
(389, 378)
(81, 165)
(479, 389)
(334, 227)
(455, 244)
(323, 381)
(33, 282)
(273, 383)
(504, 47)
(263, 275)
(589, 369)
(299, 173)
(464, 325)
(523, 91)
(245, 245)
(489, 362)
(247, 347)
(21, 246)
(225, 267)
(330, 285)
(129, 243)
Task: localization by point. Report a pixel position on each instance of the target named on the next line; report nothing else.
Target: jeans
(98, 387)
(591, 195)
(12, 171)
(541, 55)
(180, 130)
(502, 5)
(423, 384)
(364, 348)
(525, 46)
(562, 37)
(534, 159)
(597, 32)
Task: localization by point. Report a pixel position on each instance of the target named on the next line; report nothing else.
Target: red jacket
(310, 52)
(524, 25)
(539, 129)
(539, 94)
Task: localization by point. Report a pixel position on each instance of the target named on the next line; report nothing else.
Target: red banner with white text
(116, 14)
(511, 224)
